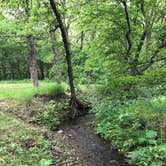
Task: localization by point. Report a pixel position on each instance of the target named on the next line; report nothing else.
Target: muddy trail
(92, 150)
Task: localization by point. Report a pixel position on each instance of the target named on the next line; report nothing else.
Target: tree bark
(134, 69)
(73, 101)
(55, 50)
(31, 40)
(41, 67)
(33, 69)
(3, 71)
(68, 52)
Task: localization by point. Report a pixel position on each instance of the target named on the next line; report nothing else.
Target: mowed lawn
(18, 90)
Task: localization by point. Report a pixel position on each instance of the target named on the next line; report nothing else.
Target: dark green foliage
(132, 125)
(129, 85)
(149, 156)
(52, 114)
(133, 116)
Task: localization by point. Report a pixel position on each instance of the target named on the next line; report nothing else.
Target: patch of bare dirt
(5, 104)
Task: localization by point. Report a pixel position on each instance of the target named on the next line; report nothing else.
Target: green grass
(21, 144)
(25, 91)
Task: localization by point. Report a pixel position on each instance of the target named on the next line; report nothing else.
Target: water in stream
(93, 150)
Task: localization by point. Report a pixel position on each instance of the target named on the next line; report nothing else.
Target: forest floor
(74, 143)
(23, 142)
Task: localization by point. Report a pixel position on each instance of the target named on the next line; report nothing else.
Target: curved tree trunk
(74, 103)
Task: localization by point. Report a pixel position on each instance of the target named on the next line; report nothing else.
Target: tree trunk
(55, 50)
(19, 73)
(11, 72)
(134, 70)
(41, 67)
(3, 71)
(33, 69)
(67, 50)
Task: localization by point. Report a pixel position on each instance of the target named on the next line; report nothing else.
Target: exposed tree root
(77, 109)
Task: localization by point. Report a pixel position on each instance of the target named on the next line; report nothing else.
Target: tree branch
(140, 45)
(143, 8)
(129, 43)
(144, 33)
(152, 61)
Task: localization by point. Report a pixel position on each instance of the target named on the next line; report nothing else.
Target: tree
(56, 55)
(33, 69)
(126, 37)
(68, 56)
(31, 42)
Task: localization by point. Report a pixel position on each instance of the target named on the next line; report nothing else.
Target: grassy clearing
(20, 144)
(24, 91)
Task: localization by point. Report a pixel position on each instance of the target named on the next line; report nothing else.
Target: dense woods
(115, 46)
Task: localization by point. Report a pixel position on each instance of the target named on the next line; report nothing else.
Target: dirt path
(93, 150)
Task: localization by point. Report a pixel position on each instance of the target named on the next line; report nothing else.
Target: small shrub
(52, 114)
(149, 156)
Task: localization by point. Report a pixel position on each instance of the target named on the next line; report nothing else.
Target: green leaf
(45, 162)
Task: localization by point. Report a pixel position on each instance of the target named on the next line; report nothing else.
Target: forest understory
(82, 82)
(71, 142)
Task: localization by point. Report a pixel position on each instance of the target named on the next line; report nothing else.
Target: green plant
(132, 125)
(52, 114)
(132, 86)
(148, 156)
(21, 144)
(44, 162)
